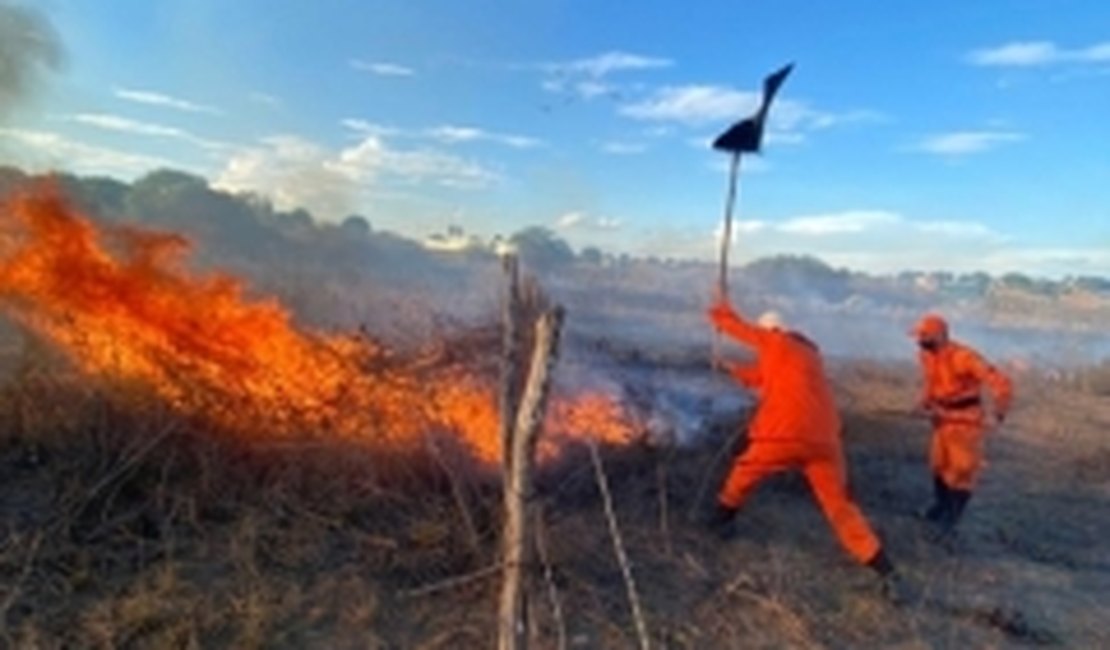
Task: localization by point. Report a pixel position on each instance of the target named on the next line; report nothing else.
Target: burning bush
(119, 303)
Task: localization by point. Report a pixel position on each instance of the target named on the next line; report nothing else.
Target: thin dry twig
(129, 463)
(618, 548)
(17, 586)
(453, 582)
(664, 529)
(709, 474)
(549, 578)
(460, 499)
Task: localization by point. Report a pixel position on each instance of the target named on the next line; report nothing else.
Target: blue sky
(947, 135)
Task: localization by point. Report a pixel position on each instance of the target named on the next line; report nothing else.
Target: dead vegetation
(123, 525)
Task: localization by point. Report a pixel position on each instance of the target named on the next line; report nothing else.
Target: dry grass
(124, 526)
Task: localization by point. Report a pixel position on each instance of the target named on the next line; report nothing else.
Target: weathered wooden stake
(512, 620)
(511, 314)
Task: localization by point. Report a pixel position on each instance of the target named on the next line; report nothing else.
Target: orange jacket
(796, 403)
(954, 376)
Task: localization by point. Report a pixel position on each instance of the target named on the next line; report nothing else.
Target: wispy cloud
(701, 105)
(581, 220)
(444, 133)
(158, 99)
(878, 241)
(960, 143)
(858, 222)
(452, 133)
(382, 68)
(48, 150)
(367, 128)
(622, 148)
(1038, 53)
(695, 104)
(607, 63)
(125, 125)
(837, 224)
(591, 78)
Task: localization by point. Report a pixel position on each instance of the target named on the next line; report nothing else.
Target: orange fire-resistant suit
(954, 375)
(795, 426)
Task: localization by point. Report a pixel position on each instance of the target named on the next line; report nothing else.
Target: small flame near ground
(119, 302)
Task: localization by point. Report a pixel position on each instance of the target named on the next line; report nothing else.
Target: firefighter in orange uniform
(795, 426)
(954, 375)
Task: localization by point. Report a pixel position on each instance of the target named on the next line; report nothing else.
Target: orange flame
(119, 303)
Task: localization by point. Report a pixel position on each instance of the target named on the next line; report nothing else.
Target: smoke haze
(29, 47)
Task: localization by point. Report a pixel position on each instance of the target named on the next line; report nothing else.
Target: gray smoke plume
(29, 46)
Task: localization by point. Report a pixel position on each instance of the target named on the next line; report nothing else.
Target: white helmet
(771, 320)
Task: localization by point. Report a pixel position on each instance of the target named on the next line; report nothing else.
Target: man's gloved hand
(720, 311)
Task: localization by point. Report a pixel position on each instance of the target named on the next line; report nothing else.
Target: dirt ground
(123, 526)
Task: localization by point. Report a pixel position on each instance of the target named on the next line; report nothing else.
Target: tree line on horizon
(246, 233)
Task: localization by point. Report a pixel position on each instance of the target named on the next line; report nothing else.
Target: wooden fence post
(512, 619)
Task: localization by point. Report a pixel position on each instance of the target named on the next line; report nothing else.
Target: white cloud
(293, 173)
(959, 143)
(1038, 53)
(296, 172)
(580, 220)
(381, 68)
(878, 241)
(47, 150)
(956, 229)
(844, 222)
(1017, 54)
(700, 105)
(158, 99)
(748, 226)
(693, 104)
(125, 125)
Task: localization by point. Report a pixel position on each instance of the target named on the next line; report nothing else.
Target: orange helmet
(930, 327)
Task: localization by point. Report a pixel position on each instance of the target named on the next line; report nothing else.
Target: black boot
(894, 588)
(957, 502)
(941, 499)
(944, 530)
(720, 521)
